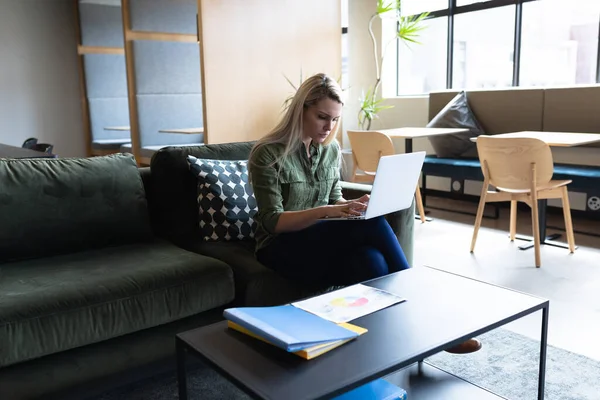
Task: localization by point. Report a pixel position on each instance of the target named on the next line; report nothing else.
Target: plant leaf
(410, 27)
(383, 8)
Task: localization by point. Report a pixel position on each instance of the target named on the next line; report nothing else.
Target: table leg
(408, 148)
(549, 240)
(181, 370)
(543, 347)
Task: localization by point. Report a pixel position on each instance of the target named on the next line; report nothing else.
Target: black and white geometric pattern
(226, 202)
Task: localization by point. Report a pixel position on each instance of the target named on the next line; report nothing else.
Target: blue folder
(379, 389)
(288, 327)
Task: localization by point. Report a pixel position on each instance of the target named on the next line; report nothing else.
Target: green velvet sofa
(101, 264)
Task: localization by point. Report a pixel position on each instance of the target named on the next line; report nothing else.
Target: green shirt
(294, 184)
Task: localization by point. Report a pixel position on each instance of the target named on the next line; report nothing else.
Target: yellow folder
(310, 352)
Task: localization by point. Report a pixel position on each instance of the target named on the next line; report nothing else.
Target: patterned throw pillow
(226, 201)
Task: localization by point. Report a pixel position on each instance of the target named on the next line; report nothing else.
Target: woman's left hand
(364, 199)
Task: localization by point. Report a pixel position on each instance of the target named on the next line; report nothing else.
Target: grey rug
(507, 365)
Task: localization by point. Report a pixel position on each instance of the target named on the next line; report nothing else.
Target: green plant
(408, 30)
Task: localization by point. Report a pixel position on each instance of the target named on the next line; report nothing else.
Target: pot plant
(407, 31)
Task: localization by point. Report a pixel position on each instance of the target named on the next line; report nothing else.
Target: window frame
(454, 10)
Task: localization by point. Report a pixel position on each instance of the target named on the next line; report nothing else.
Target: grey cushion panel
(58, 303)
(499, 111)
(107, 112)
(54, 206)
(166, 67)
(164, 15)
(157, 112)
(572, 110)
(101, 25)
(105, 75)
(456, 114)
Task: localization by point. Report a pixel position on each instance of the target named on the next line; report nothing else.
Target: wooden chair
(521, 170)
(367, 148)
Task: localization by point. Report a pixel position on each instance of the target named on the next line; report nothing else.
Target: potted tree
(407, 31)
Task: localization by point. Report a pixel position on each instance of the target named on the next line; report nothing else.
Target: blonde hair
(289, 131)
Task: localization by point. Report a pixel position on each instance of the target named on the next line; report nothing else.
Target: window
(344, 78)
(483, 45)
(412, 7)
(460, 3)
(559, 42)
(422, 67)
(500, 43)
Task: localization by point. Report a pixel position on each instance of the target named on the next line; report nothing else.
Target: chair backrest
(29, 143)
(368, 147)
(509, 161)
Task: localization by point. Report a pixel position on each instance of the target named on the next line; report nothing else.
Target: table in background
(8, 151)
(414, 133)
(186, 131)
(399, 338)
(553, 139)
(117, 128)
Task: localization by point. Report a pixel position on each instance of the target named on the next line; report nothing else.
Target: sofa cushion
(255, 284)
(174, 207)
(226, 201)
(61, 205)
(456, 114)
(62, 302)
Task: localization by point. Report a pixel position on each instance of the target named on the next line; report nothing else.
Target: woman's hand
(296, 220)
(348, 208)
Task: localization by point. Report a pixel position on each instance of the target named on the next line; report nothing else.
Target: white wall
(39, 77)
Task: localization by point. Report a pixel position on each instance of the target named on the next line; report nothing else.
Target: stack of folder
(308, 336)
(291, 329)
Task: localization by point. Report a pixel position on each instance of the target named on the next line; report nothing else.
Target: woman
(294, 172)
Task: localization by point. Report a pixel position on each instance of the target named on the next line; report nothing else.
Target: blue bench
(585, 178)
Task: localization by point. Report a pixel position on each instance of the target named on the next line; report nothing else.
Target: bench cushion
(58, 303)
(458, 168)
(583, 176)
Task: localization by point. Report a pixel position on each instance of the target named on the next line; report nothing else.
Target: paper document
(349, 303)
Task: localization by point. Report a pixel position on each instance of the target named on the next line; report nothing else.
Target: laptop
(394, 185)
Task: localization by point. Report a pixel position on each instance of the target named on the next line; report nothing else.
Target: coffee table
(441, 311)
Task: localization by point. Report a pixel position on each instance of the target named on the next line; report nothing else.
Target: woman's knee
(372, 262)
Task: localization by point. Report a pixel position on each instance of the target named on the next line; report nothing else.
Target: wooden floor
(570, 281)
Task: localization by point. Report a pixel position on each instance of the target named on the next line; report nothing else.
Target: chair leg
(535, 221)
(568, 221)
(479, 215)
(420, 204)
(513, 220)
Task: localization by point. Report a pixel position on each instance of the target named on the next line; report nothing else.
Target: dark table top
(442, 310)
(8, 151)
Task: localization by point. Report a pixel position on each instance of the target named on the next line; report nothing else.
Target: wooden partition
(247, 48)
(165, 100)
(102, 75)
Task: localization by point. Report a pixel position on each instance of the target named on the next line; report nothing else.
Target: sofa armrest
(351, 190)
(402, 222)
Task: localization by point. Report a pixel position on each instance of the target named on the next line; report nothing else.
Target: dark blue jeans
(335, 252)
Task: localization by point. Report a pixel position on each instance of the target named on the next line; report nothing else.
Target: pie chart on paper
(349, 301)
